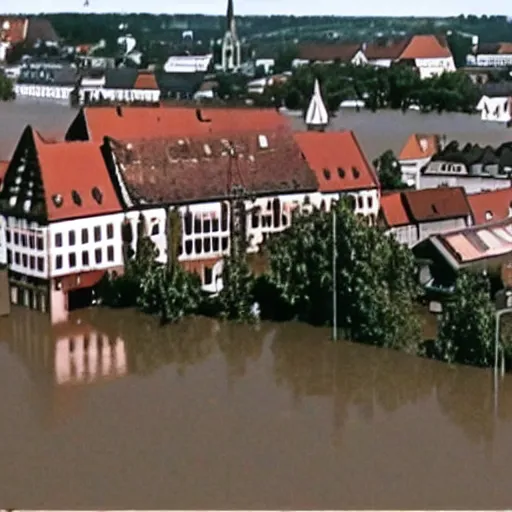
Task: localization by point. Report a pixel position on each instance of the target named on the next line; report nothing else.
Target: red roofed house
(430, 54)
(491, 205)
(341, 168)
(327, 53)
(61, 223)
(196, 175)
(412, 216)
(416, 153)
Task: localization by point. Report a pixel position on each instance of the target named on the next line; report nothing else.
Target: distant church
(231, 52)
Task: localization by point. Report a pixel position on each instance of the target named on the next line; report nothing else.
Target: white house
(416, 153)
(188, 63)
(492, 55)
(496, 102)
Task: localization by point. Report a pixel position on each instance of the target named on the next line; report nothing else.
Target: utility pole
(334, 283)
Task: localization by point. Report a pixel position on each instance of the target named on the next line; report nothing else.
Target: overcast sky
(297, 7)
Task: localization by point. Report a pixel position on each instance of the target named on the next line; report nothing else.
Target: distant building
(496, 102)
(428, 53)
(185, 64)
(491, 206)
(231, 51)
(472, 167)
(47, 83)
(416, 154)
(179, 86)
(328, 53)
(412, 216)
(493, 55)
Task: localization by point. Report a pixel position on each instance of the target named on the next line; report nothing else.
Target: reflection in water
(219, 415)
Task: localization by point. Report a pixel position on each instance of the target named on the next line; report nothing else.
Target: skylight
(57, 200)
(341, 172)
(327, 174)
(97, 195)
(76, 198)
(355, 172)
(263, 141)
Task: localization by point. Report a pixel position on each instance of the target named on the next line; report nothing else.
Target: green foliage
(396, 87)
(466, 334)
(375, 275)
(6, 88)
(389, 171)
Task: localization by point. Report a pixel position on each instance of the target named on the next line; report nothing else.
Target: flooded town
(232, 283)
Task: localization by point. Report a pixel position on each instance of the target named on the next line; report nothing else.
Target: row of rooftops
(182, 155)
(413, 207)
(410, 48)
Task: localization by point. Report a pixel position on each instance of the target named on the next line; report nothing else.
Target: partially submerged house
(496, 102)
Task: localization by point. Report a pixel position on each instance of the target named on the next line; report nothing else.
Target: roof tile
(337, 160)
(187, 169)
(146, 80)
(492, 205)
(419, 146)
(393, 210)
(426, 47)
(3, 170)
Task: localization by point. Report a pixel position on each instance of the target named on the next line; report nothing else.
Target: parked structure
(496, 102)
(474, 168)
(491, 206)
(412, 216)
(416, 154)
(428, 53)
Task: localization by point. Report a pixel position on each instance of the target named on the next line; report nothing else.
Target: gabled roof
(150, 122)
(337, 160)
(328, 52)
(393, 211)
(176, 170)
(426, 47)
(419, 146)
(13, 29)
(40, 29)
(491, 205)
(316, 115)
(75, 166)
(146, 80)
(436, 204)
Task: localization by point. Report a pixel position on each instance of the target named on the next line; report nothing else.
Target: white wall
(434, 67)
(55, 92)
(411, 170)
(471, 184)
(76, 254)
(495, 109)
(129, 95)
(494, 60)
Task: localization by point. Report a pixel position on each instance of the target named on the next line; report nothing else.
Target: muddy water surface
(205, 415)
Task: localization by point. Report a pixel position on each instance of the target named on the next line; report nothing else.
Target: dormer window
(76, 198)
(57, 200)
(97, 195)
(488, 215)
(341, 172)
(327, 174)
(355, 172)
(434, 208)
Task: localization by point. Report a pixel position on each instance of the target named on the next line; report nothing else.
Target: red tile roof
(146, 80)
(338, 161)
(328, 52)
(419, 146)
(81, 280)
(392, 50)
(180, 170)
(435, 204)
(3, 170)
(426, 47)
(151, 122)
(15, 30)
(75, 166)
(491, 205)
(393, 210)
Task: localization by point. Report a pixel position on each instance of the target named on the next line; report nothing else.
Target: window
(370, 202)
(85, 236)
(188, 223)
(360, 203)
(39, 243)
(58, 262)
(97, 233)
(16, 238)
(207, 225)
(76, 198)
(225, 243)
(97, 255)
(207, 244)
(8, 236)
(32, 262)
(85, 258)
(71, 238)
(208, 275)
(58, 240)
(9, 256)
(110, 253)
(255, 220)
(110, 230)
(154, 229)
(17, 258)
(198, 245)
(40, 264)
(24, 240)
(215, 244)
(72, 259)
(327, 174)
(31, 241)
(224, 212)
(188, 247)
(24, 259)
(198, 228)
(215, 224)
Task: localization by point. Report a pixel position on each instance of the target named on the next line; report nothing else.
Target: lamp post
(334, 284)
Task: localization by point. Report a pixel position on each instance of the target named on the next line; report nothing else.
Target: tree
(389, 171)
(6, 88)
(375, 276)
(467, 329)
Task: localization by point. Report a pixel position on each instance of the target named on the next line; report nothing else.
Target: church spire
(317, 117)
(230, 17)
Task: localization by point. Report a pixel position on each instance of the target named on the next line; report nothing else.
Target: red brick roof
(179, 170)
(328, 52)
(151, 122)
(338, 161)
(489, 206)
(146, 80)
(435, 204)
(419, 146)
(393, 210)
(3, 170)
(75, 166)
(426, 47)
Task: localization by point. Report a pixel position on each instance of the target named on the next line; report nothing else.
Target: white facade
(84, 245)
(435, 67)
(411, 171)
(188, 63)
(90, 94)
(490, 60)
(495, 109)
(53, 92)
(406, 235)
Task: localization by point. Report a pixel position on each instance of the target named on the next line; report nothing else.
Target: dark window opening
(355, 172)
(16, 238)
(58, 240)
(72, 238)
(215, 244)
(198, 225)
(85, 258)
(127, 232)
(9, 257)
(188, 247)
(97, 233)
(198, 246)
(276, 207)
(8, 236)
(224, 217)
(39, 243)
(32, 262)
(97, 195)
(97, 255)
(188, 223)
(215, 224)
(17, 258)
(40, 264)
(32, 241)
(58, 262)
(110, 253)
(341, 172)
(208, 275)
(24, 240)
(207, 225)
(327, 174)
(207, 244)
(76, 198)
(72, 259)
(255, 220)
(24, 259)
(110, 231)
(225, 243)
(85, 236)
(155, 230)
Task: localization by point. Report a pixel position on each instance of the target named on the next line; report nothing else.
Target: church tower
(317, 117)
(231, 49)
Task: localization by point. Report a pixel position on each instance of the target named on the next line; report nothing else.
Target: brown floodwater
(208, 415)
